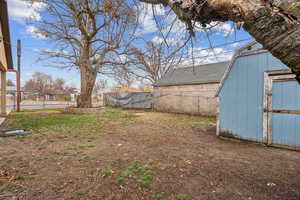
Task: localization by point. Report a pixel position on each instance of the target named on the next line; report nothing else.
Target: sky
(32, 43)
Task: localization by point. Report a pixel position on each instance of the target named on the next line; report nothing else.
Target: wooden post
(3, 93)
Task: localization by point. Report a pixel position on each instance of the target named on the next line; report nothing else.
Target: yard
(136, 155)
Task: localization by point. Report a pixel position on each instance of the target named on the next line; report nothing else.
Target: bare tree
(88, 35)
(41, 83)
(123, 77)
(99, 89)
(10, 83)
(275, 24)
(45, 85)
(153, 61)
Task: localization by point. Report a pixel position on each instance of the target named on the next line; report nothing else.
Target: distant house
(190, 90)
(5, 52)
(259, 99)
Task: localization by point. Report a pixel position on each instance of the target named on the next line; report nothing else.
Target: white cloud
(204, 56)
(29, 74)
(146, 18)
(226, 29)
(20, 10)
(34, 32)
(169, 40)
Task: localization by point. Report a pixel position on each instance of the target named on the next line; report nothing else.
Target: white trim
(226, 73)
(265, 113)
(218, 116)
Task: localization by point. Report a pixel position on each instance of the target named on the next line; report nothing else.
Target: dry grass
(137, 155)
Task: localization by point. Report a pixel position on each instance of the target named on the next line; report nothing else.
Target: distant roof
(5, 30)
(124, 89)
(208, 73)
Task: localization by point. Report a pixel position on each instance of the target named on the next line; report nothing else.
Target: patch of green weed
(92, 138)
(145, 169)
(182, 197)
(62, 137)
(106, 173)
(20, 137)
(129, 172)
(159, 196)
(81, 191)
(145, 180)
(121, 181)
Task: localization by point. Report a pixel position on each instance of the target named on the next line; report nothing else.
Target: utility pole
(19, 53)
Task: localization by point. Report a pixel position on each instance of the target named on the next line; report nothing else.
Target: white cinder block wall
(190, 99)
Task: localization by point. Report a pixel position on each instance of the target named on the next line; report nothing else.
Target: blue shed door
(284, 111)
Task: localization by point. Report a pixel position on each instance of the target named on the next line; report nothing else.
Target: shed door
(284, 111)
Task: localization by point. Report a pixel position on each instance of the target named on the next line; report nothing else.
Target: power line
(220, 45)
(218, 54)
(226, 44)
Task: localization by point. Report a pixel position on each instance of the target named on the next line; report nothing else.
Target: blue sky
(30, 47)
(19, 12)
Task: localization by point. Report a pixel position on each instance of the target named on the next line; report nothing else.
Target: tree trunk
(87, 78)
(275, 25)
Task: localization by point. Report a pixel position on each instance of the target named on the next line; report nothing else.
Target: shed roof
(251, 48)
(208, 73)
(6, 34)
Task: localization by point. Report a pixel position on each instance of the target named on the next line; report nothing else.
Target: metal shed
(190, 90)
(259, 99)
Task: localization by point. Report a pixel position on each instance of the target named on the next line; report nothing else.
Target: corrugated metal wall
(241, 97)
(285, 127)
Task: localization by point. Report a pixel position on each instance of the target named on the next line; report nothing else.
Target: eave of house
(5, 43)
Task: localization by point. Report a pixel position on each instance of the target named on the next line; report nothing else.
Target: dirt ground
(138, 155)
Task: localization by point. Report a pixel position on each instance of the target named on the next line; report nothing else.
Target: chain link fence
(38, 100)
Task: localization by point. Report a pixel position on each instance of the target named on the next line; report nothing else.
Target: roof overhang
(199, 81)
(237, 54)
(183, 84)
(5, 38)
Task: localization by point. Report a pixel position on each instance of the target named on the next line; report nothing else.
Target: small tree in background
(44, 85)
(99, 89)
(123, 78)
(41, 83)
(10, 83)
(152, 61)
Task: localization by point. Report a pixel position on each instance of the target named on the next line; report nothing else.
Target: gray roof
(208, 73)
